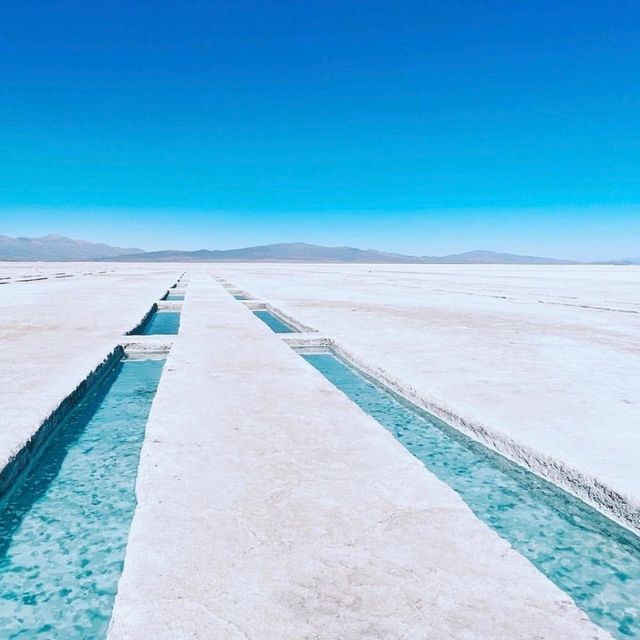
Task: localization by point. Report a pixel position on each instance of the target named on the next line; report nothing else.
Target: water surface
(64, 526)
(273, 322)
(160, 323)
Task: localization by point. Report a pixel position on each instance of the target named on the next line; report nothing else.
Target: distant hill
(54, 247)
(283, 252)
(302, 252)
(491, 257)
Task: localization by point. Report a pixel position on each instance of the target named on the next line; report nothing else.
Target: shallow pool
(594, 560)
(160, 323)
(64, 525)
(273, 322)
(175, 296)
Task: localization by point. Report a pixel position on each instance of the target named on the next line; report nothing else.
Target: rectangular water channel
(273, 322)
(591, 558)
(159, 322)
(65, 522)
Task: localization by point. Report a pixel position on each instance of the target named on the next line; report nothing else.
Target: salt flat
(547, 356)
(269, 505)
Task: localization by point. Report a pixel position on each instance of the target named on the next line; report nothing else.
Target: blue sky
(422, 127)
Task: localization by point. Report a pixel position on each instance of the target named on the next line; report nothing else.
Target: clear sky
(415, 126)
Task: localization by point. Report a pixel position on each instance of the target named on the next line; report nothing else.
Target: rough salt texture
(543, 359)
(56, 330)
(271, 507)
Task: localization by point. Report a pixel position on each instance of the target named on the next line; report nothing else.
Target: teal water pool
(175, 296)
(591, 558)
(273, 322)
(164, 323)
(64, 524)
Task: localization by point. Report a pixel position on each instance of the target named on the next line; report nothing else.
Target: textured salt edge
(30, 450)
(143, 322)
(616, 506)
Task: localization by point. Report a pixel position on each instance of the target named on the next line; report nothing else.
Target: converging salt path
(270, 506)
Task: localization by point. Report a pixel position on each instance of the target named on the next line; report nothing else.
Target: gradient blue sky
(414, 126)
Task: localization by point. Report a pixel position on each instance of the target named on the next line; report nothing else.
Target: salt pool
(273, 322)
(64, 524)
(591, 558)
(159, 323)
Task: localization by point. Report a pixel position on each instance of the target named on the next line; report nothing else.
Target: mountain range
(54, 247)
(303, 252)
(58, 248)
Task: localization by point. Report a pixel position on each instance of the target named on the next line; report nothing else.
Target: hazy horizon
(214, 247)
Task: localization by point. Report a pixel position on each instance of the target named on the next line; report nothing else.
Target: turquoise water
(175, 296)
(239, 296)
(594, 560)
(64, 526)
(275, 324)
(160, 323)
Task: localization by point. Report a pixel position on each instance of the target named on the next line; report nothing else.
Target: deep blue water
(594, 560)
(274, 323)
(64, 526)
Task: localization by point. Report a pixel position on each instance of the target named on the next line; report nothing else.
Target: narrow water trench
(64, 525)
(591, 558)
(273, 322)
(159, 322)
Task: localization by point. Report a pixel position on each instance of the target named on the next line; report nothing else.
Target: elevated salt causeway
(271, 506)
(64, 522)
(591, 558)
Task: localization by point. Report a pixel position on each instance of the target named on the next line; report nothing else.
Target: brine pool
(591, 558)
(160, 323)
(64, 524)
(273, 322)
